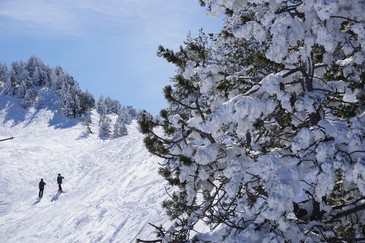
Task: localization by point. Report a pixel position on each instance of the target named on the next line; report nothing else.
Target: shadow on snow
(16, 113)
(37, 201)
(55, 197)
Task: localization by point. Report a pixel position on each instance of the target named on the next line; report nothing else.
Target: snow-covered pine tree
(124, 117)
(70, 102)
(37, 76)
(86, 121)
(87, 101)
(37, 70)
(115, 107)
(8, 88)
(47, 77)
(24, 86)
(133, 113)
(120, 130)
(23, 80)
(57, 76)
(29, 98)
(108, 103)
(108, 106)
(186, 98)
(3, 75)
(101, 107)
(274, 151)
(105, 127)
(3, 71)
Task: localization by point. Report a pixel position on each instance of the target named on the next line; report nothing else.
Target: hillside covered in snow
(112, 189)
(263, 139)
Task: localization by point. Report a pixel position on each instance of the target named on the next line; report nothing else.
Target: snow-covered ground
(112, 189)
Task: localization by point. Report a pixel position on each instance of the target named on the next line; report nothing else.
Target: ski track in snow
(112, 189)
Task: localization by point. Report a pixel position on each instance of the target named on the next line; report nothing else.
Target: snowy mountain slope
(112, 187)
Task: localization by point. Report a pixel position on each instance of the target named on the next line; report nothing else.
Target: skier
(41, 188)
(59, 181)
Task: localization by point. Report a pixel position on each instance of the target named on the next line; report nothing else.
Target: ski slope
(112, 189)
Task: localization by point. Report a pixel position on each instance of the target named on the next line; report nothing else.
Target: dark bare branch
(6, 139)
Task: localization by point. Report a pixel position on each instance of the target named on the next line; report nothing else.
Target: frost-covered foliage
(104, 128)
(264, 136)
(29, 98)
(120, 130)
(107, 106)
(30, 81)
(24, 79)
(125, 114)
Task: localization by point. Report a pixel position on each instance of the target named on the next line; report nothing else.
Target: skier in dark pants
(41, 188)
(59, 181)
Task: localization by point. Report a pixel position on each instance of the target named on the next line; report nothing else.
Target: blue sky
(108, 46)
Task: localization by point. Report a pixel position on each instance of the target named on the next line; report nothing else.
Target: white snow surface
(112, 189)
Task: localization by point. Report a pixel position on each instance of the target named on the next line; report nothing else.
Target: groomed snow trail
(112, 189)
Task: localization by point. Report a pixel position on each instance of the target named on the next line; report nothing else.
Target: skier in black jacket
(59, 181)
(41, 188)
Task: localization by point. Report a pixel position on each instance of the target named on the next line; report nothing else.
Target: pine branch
(6, 139)
(201, 133)
(346, 213)
(352, 20)
(148, 241)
